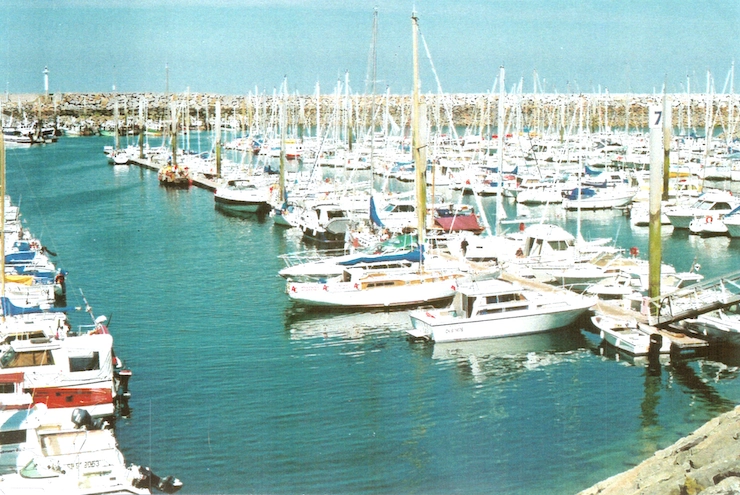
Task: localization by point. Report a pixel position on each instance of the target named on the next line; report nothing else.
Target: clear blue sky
(235, 46)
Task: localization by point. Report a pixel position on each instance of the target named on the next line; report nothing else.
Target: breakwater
(541, 112)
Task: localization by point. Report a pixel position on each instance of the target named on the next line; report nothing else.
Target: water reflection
(480, 360)
(305, 324)
(261, 216)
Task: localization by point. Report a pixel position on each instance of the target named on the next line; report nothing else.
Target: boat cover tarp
(585, 193)
(413, 255)
(459, 223)
(19, 279)
(10, 309)
(20, 256)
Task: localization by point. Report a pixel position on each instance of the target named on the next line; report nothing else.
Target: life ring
(708, 219)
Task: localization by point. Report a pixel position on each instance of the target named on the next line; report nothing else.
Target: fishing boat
(498, 308)
(627, 335)
(174, 176)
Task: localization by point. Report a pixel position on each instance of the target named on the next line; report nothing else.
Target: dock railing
(694, 300)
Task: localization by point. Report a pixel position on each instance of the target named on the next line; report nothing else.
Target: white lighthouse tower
(46, 81)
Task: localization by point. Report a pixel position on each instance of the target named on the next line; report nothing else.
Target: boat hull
(494, 326)
(243, 206)
(354, 295)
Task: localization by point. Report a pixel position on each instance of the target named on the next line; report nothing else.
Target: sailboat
(361, 287)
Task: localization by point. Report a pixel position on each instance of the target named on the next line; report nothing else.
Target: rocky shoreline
(706, 462)
(538, 111)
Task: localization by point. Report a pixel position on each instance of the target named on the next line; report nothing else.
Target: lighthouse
(46, 81)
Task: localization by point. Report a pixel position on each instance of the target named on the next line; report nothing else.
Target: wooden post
(667, 133)
(655, 116)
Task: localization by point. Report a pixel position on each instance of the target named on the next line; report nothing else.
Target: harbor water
(237, 390)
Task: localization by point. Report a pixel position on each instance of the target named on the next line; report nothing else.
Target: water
(235, 390)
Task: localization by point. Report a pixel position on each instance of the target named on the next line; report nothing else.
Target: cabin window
(559, 245)
(13, 436)
(85, 363)
(721, 206)
(12, 359)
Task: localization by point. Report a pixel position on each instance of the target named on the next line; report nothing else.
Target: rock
(707, 462)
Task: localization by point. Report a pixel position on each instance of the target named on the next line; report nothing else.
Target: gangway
(694, 300)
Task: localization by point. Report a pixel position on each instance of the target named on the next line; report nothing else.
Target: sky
(237, 47)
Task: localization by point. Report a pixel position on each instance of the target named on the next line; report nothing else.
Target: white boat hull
(498, 325)
(355, 295)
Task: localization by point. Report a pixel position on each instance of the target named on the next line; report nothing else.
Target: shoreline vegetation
(563, 113)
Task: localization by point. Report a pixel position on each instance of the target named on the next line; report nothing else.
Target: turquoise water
(235, 390)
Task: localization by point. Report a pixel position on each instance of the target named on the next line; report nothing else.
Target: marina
(343, 401)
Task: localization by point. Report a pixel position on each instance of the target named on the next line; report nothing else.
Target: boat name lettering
(454, 330)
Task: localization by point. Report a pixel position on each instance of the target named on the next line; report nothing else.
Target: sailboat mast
(419, 150)
(218, 138)
(283, 104)
(374, 55)
(500, 129)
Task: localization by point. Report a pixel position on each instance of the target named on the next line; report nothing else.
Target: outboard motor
(150, 480)
(83, 420)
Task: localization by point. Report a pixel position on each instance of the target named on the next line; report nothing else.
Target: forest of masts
(567, 114)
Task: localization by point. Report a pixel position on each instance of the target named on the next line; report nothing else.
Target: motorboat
(75, 456)
(63, 368)
(245, 195)
(732, 222)
(708, 226)
(498, 308)
(629, 336)
(325, 224)
(711, 204)
(718, 327)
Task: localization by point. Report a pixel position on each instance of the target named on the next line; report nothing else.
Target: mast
(283, 104)
(218, 138)
(374, 55)
(116, 142)
(417, 144)
(500, 129)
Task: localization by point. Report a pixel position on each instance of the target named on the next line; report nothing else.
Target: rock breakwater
(707, 462)
(541, 112)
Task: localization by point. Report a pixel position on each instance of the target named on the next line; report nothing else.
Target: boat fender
(708, 219)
